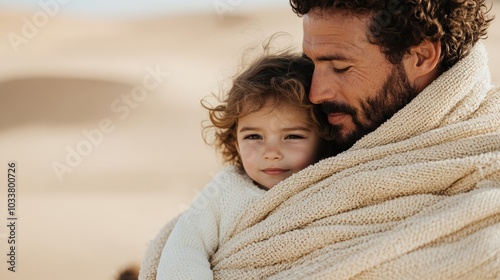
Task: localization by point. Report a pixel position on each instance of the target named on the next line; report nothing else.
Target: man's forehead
(342, 30)
(330, 12)
(319, 39)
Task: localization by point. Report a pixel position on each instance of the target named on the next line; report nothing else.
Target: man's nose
(321, 87)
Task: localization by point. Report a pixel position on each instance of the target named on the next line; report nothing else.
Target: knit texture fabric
(206, 225)
(418, 198)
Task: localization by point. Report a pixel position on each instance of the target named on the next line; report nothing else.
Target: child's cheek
(249, 152)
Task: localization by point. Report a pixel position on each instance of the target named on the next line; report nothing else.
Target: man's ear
(422, 64)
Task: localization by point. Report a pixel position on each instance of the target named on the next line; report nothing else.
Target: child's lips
(274, 171)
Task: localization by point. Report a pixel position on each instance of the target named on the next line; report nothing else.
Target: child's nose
(272, 152)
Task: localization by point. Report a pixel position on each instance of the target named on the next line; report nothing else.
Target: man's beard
(392, 97)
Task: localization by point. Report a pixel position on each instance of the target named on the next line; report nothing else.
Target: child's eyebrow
(248, 128)
(297, 128)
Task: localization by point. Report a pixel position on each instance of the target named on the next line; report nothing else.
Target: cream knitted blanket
(419, 198)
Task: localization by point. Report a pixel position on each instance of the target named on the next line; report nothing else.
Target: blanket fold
(417, 198)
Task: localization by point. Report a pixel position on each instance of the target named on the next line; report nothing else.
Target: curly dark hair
(283, 78)
(398, 25)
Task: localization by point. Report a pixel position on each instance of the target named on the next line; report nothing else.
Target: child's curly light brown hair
(283, 78)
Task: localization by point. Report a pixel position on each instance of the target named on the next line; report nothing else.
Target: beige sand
(148, 164)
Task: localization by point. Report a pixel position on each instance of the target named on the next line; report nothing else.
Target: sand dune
(63, 84)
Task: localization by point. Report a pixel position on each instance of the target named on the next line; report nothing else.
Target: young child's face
(274, 143)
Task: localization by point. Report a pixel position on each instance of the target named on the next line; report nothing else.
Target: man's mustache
(329, 107)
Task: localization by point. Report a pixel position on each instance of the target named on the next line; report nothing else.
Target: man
(373, 57)
(405, 96)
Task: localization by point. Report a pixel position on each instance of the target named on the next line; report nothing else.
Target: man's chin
(344, 138)
(346, 129)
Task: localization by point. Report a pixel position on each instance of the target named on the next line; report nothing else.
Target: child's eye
(253, 137)
(294, 136)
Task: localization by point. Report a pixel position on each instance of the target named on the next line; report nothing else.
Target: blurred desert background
(102, 115)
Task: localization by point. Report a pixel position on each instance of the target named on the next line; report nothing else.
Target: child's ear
(422, 64)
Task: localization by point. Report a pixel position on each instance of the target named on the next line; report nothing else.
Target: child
(267, 130)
